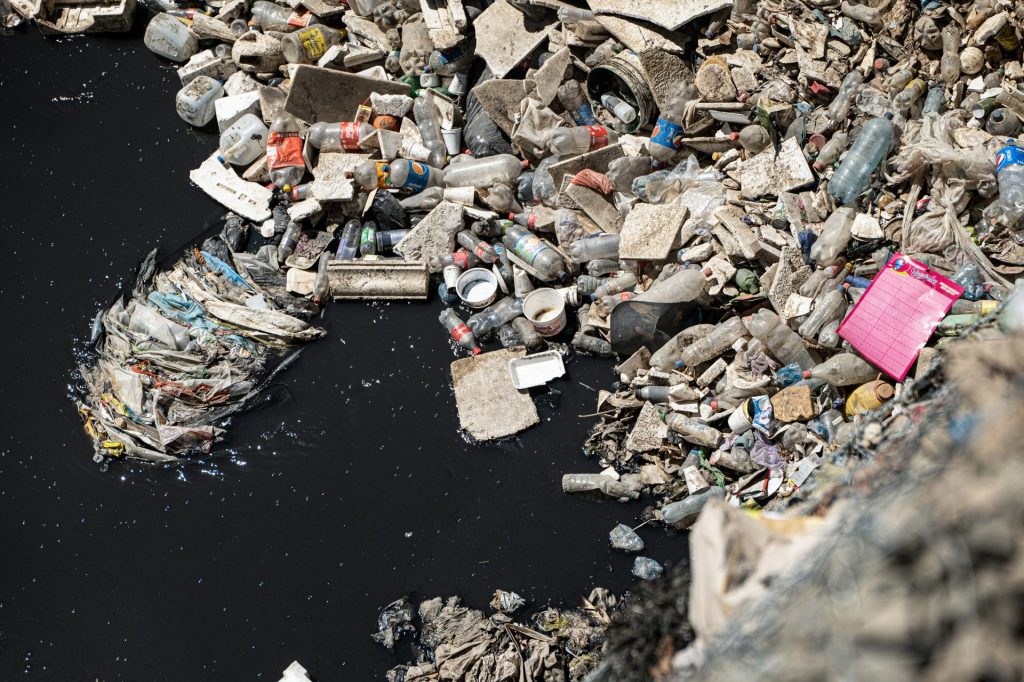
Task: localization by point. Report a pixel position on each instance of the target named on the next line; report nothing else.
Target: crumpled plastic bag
(935, 230)
(933, 146)
(531, 130)
(701, 191)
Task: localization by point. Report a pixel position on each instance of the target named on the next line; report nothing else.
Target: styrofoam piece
(247, 199)
(536, 370)
(230, 109)
(295, 673)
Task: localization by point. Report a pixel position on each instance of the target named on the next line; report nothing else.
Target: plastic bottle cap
(734, 136)
(476, 351)
(526, 163)
(888, 115)
(884, 391)
(806, 374)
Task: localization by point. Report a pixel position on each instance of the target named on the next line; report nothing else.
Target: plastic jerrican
(754, 138)
(860, 162)
(309, 44)
(196, 102)
(170, 38)
(835, 236)
(579, 140)
(428, 120)
(784, 344)
(491, 170)
(243, 141)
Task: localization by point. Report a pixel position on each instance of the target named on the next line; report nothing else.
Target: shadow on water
(353, 486)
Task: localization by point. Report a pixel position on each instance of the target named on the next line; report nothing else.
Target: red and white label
(300, 20)
(598, 137)
(284, 150)
(460, 331)
(348, 136)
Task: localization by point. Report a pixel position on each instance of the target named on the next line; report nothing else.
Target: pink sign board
(897, 314)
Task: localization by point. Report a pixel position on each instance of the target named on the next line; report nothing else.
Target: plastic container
(243, 142)
(168, 37)
(624, 76)
(1001, 122)
(491, 170)
(754, 139)
(868, 151)
(536, 370)
(477, 287)
(544, 309)
(196, 102)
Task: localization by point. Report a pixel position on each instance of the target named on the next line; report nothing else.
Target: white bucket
(452, 140)
(545, 310)
(477, 287)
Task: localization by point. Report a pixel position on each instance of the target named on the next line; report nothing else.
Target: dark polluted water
(352, 488)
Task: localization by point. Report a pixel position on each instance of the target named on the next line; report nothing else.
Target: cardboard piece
(327, 95)
(489, 405)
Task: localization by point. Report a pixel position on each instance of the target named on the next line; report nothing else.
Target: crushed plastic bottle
(867, 152)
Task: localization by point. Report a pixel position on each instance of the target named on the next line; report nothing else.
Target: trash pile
(454, 642)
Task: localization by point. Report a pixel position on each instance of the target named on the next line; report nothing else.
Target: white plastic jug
(171, 39)
(244, 141)
(196, 102)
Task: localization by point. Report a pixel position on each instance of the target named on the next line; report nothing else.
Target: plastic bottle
(309, 44)
(714, 344)
(543, 187)
(501, 169)
(429, 122)
(840, 107)
(334, 137)
(459, 330)
(271, 16)
(490, 318)
(284, 152)
(867, 153)
(896, 82)
(370, 175)
(694, 430)
(950, 62)
(934, 101)
(412, 175)
(621, 110)
(783, 343)
(580, 140)
(477, 246)
(753, 138)
(1008, 208)
(624, 170)
(820, 278)
(423, 201)
(544, 219)
(684, 513)
(666, 138)
(602, 245)
(869, 396)
(460, 259)
(388, 239)
(322, 283)
(681, 286)
(244, 140)
(591, 344)
(348, 243)
(196, 102)
(368, 239)
(606, 304)
(1002, 122)
(534, 252)
(575, 101)
(825, 307)
(170, 38)
(289, 240)
(614, 285)
(451, 61)
(914, 91)
(844, 369)
(835, 236)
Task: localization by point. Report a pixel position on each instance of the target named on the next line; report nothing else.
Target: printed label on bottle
(481, 250)
(363, 113)
(460, 331)
(419, 177)
(1010, 155)
(531, 221)
(598, 137)
(300, 20)
(584, 115)
(284, 150)
(348, 136)
(667, 134)
(383, 175)
(461, 259)
(528, 248)
(368, 239)
(313, 43)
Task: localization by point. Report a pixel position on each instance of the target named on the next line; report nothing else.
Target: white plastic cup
(477, 287)
(452, 140)
(460, 195)
(740, 421)
(457, 86)
(545, 310)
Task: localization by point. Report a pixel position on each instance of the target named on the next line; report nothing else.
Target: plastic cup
(739, 420)
(477, 287)
(544, 309)
(460, 195)
(452, 140)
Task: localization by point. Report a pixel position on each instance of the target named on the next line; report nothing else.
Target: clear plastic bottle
(829, 154)
(574, 99)
(532, 250)
(459, 330)
(606, 304)
(542, 218)
(568, 14)
(368, 239)
(840, 107)
(425, 200)
(388, 239)
(370, 175)
(543, 186)
(322, 283)
(624, 170)
(460, 259)
(694, 430)
(821, 277)
(1008, 208)
(1002, 122)
(348, 243)
(490, 318)
(621, 110)
(309, 44)
(867, 152)
(835, 236)
(783, 343)
(243, 141)
(428, 119)
(825, 308)
(271, 16)
(844, 369)
(477, 246)
(907, 96)
(289, 240)
(714, 344)
(896, 82)
(531, 339)
(603, 245)
(333, 137)
(679, 287)
(666, 139)
(284, 152)
(501, 169)
(580, 140)
(412, 175)
(614, 285)
(934, 101)
(591, 344)
(950, 62)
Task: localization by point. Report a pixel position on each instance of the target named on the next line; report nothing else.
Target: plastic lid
(476, 351)
(888, 115)
(806, 374)
(526, 163)
(884, 391)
